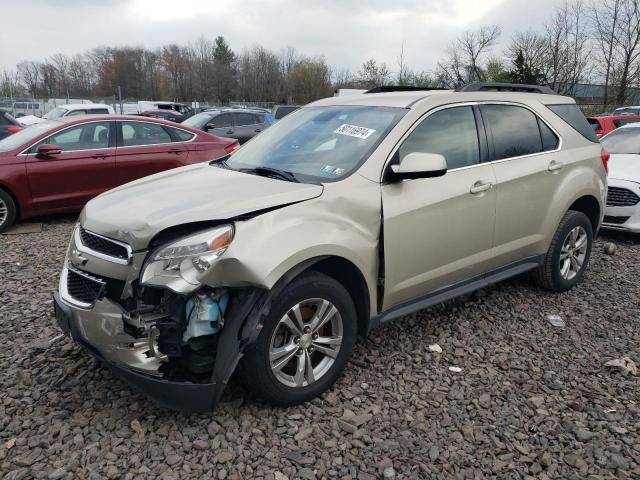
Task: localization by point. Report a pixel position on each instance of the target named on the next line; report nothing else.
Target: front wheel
(7, 210)
(305, 342)
(568, 255)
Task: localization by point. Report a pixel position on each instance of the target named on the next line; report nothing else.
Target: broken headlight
(178, 265)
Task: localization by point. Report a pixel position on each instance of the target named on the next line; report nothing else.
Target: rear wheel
(568, 256)
(7, 210)
(305, 343)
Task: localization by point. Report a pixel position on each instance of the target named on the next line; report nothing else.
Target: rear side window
(98, 111)
(179, 135)
(141, 133)
(549, 139)
(451, 133)
(570, 113)
(595, 124)
(514, 131)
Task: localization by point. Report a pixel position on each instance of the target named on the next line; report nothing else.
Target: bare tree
(627, 68)
(462, 63)
(568, 47)
(402, 66)
(29, 74)
(604, 19)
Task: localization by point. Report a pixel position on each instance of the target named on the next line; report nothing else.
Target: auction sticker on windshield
(354, 131)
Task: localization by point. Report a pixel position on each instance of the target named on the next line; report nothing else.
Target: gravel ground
(531, 400)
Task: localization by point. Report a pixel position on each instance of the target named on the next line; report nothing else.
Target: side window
(180, 135)
(220, 121)
(76, 112)
(98, 111)
(451, 133)
(549, 139)
(259, 118)
(514, 131)
(140, 133)
(82, 137)
(626, 121)
(241, 119)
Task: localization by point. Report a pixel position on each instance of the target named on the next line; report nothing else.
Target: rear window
(625, 121)
(570, 113)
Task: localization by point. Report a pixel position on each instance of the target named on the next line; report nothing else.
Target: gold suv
(348, 213)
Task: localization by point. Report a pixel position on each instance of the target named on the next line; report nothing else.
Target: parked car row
(240, 123)
(352, 212)
(58, 165)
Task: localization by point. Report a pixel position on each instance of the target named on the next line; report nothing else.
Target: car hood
(137, 211)
(625, 167)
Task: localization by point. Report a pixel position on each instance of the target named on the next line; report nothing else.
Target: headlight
(179, 264)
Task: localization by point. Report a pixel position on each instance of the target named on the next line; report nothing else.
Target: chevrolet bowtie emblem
(78, 259)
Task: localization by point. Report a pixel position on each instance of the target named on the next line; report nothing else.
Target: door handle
(258, 130)
(174, 151)
(229, 132)
(99, 155)
(555, 166)
(480, 187)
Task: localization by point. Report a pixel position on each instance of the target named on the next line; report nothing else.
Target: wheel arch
(590, 206)
(344, 272)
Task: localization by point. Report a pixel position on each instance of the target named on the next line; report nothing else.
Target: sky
(346, 32)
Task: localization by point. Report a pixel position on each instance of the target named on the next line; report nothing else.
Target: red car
(604, 124)
(58, 165)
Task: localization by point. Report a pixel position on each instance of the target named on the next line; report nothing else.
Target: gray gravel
(531, 401)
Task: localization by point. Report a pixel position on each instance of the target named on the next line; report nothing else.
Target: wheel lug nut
(299, 352)
(315, 336)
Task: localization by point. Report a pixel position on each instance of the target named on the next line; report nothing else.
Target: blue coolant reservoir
(205, 314)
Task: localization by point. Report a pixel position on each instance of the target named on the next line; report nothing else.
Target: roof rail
(504, 87)
(401, 88)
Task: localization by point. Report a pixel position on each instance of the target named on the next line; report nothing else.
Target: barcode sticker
(354, 131)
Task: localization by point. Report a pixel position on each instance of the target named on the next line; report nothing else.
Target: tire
(284, 387)
(8, 210)
(551, 275)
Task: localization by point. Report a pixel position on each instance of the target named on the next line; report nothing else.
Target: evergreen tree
(224, 79)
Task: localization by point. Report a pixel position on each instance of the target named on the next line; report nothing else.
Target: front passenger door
(84, 168)
(439, 231)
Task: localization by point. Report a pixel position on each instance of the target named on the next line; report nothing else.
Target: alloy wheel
(306, 342)
(4, 212)
(573, 252)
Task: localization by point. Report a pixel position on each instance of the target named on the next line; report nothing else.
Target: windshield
(55, 113)
(623, 140)
(198, 121)
(26, 135)
(318, 144)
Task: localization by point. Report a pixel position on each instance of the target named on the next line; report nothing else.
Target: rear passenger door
(246, 126)
(145, 148)
(523, 150)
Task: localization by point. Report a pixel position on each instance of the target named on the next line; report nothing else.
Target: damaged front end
(148, 316)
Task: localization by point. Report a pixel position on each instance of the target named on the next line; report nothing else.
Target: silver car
(348, 213)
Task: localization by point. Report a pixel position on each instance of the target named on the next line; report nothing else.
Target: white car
(630, 110)
(68, 110)
(623, 197)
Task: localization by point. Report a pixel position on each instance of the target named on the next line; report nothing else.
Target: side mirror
(209, 127)
(49, 150)
(420, 165)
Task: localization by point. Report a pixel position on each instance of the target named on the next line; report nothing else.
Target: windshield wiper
(272, 172)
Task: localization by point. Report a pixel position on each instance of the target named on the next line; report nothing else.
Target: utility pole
(120, 99)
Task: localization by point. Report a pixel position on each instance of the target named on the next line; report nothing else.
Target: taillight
(13, 129)
(604, 156)
(232, 147)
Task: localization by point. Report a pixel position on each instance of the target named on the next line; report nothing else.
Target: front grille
(614, 220)
(103, 245)
(83, 287)
(621, 197)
